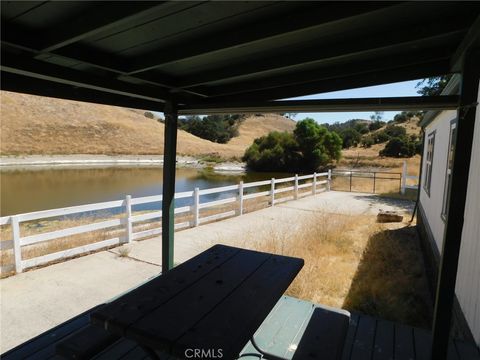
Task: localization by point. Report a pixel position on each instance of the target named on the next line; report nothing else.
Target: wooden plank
(4, 220)
(362, 348)
(161, 327)
(279, 181)
(147, 199)
(218, 189)
(184, 194)
(384, 341)
(116, 350)
(350, 338)
(127, 309)
(325, 335)
(423, 343)
(70, 252)
(404, 344)
(256, 183)
(230, 330)
(70, 210)
(48, 338)
(467, 351)
(32, 239)
(85, 343)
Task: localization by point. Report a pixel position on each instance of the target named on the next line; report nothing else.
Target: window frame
(452, 143)
(429, 161)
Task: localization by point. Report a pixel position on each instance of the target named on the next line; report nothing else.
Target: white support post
(329, 180)
(272, 192)
(17, 250)
(404, 177)
(196, 206)
(314, 183)
(295, 188)
(128, 218)
(240, 198)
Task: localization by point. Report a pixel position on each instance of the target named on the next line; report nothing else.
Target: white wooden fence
(126, 222)
(406, 177)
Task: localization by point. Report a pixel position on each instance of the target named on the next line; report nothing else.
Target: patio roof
(142, 54)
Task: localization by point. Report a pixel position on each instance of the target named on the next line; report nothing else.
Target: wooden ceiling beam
(328, 73)
(46, 71)
(327, 105)
(411, 72)
(101, 17)
(400, 39)
(307, 19)
(33, 86)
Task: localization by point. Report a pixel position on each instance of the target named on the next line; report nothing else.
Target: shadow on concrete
(379, 201)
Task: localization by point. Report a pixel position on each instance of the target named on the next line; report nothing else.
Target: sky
(405, 88)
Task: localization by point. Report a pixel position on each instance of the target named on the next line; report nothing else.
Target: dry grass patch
(354, 263)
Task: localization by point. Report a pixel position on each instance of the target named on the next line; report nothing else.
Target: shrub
(399, 147)
(367, 141)
(309, 147)
(351, 137)
(375, 125)
(394, 131)
(216, 128)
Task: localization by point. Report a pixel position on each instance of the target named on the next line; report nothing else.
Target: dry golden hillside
(39, 125)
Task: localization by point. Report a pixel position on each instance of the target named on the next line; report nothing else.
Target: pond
(40, 189)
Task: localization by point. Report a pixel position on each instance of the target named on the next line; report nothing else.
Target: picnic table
(210, 305)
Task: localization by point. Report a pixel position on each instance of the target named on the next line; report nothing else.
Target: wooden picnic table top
(214, 301)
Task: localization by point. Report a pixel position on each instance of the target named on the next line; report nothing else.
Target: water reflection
(31, 190)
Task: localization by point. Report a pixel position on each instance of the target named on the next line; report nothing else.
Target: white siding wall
(468, 277)
(432, 204)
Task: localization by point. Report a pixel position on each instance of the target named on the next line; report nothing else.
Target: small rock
(389, 216)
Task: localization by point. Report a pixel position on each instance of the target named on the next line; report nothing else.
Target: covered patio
(245, 57)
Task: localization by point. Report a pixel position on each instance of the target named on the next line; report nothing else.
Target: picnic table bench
(212, 303)
(210, 307)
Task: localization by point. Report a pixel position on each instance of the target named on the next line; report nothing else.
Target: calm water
(31, 190)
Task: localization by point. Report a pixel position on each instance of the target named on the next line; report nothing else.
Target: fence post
(17, 250)
(295, 188)
(196, 207)
(240, 198)
(329, 180)
(404, 177)
(314, 184)
(272, 192)
(128, 218)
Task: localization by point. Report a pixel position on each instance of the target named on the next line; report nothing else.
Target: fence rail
(127, 220)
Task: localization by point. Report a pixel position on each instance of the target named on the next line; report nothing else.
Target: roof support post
(453, 230)
(168, 200)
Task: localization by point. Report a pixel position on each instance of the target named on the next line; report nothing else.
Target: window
(448, 176)
(429, 162)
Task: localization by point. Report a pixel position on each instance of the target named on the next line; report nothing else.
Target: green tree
(351, 137)
(399, 147)
(433, 86)
(308, 148)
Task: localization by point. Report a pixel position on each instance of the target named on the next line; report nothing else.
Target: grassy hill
(39, 125)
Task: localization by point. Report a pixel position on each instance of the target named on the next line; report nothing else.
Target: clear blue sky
(406, 88)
